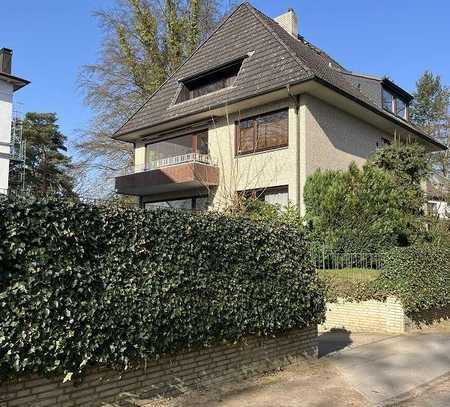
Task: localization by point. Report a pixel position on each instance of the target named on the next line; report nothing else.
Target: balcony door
(177, 149)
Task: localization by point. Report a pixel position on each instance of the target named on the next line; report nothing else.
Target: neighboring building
(8, 85)
(257, 109)
(437, 192)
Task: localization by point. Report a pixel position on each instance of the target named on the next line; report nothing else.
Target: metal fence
(346, 269)
(329, 260)
(169, 161)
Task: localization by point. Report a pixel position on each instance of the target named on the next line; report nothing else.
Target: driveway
(397, 369)
(354, 370)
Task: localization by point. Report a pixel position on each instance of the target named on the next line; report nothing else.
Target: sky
(53, 39)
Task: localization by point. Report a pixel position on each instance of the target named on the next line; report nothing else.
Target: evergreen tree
(372, 208)
(47, 167)
(430, 111)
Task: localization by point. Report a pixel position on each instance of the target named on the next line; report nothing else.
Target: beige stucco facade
(321, 136)
(260, 170)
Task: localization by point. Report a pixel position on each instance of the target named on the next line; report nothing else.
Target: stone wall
(382, 317)
(366, 316)
(168, 375)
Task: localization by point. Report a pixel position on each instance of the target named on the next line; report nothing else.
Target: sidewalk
(394, 366)
(354, 370)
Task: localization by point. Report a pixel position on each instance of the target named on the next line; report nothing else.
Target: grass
(349, 274)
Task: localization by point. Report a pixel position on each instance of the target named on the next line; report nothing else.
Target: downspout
(296, 99)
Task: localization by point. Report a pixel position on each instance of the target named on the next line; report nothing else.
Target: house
(8, 85)
(437, 192)
(257, 109)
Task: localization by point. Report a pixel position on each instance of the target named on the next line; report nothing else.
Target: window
(213, 81)
(400, 108)
(278, 196)
(395, 104)
(202, 143)
(388, 101)
(177, 146)
(196, 203)
(169, 148)
(262, 133)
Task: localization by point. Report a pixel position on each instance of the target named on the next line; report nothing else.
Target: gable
(268, 65)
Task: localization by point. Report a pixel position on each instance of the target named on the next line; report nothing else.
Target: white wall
(6, 95)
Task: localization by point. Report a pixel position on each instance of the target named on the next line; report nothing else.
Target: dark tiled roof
(276, 60)
(270, 66)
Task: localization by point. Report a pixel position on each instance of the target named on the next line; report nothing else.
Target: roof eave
(402, 92)
(405, 125)
(18, 83)
(120, 135)
(393, 119)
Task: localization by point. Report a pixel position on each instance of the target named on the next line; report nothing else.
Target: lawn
(349, 274)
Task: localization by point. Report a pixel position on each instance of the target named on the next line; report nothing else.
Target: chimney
(5, 60)
(289, 22)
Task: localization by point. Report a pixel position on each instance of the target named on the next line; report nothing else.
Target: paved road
(397, 367)
(354, 371)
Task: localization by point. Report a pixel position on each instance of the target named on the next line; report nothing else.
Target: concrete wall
(6, 95)
(139, 155)
(168, 375)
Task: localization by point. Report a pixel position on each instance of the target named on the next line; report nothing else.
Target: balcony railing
(169, 161)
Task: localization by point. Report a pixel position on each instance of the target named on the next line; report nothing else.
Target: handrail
(169, 161)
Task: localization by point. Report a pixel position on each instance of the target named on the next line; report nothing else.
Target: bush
(259, 210)
(419, 276)
(373, 208)
(84, 285)
(359, 210)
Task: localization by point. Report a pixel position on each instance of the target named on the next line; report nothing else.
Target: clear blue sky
(52, 39)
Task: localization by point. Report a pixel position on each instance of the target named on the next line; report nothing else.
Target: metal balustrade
(169, 161)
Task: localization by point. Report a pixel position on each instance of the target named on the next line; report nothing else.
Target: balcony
(178, 173)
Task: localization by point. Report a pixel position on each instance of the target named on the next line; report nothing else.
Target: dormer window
(211, 81)
(395, 104)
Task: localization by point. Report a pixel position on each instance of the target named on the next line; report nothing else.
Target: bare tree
(144, 42)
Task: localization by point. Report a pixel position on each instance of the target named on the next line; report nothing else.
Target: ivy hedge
(418, 275)
(82, 285)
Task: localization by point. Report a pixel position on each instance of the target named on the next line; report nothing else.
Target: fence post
(323, 256)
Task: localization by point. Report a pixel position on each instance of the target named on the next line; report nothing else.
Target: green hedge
(83, 285)
(419, 275)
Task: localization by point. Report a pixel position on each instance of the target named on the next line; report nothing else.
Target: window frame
(183, 198)
(193, 134)
(256, 150)
(226, 74)
(260, 193)
(394, 103)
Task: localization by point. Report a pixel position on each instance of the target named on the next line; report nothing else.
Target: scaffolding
(17, 156)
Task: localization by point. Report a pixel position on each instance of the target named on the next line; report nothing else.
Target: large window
(395, 104)
(213, 81)
(278, 196)
(176, 147)
(198, 203)
(264, 132)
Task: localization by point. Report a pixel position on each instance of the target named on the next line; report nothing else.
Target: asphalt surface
(400, 369)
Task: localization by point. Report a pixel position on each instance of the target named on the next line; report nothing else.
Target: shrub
(259, 210)
(419, 275)
(359, 210)
(373, 208)
(85, 285)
